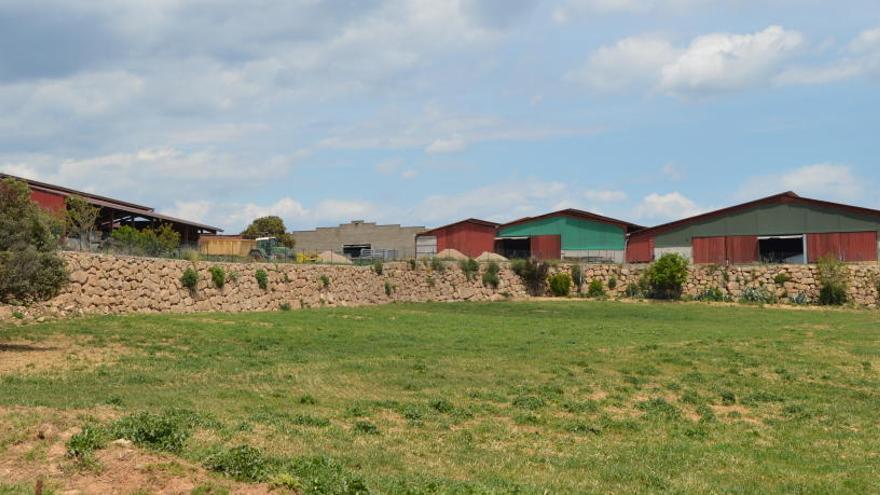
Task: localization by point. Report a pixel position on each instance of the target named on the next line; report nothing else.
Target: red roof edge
(781, 198)
(477, 221)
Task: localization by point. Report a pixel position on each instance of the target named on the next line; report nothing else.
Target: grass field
(540, 397)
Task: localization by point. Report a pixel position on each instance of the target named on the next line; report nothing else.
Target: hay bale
(451, 254)
(487, 257)
(331, 257)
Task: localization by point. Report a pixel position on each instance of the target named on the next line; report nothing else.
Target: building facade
(567, 234)
(358, 237)
(471, 237)
(784, 228)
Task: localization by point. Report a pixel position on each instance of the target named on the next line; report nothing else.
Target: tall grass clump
(595, 288)
(190, 279)
(262, 278)
(490, 276)
(379, 267)
(470, 268)
(832, 281)
(437, 265)
(218, 276)
(533, 274)
(577, 277)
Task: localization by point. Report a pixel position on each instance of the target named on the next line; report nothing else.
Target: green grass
(561, 397)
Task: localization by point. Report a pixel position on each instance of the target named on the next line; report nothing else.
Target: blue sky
(424, 112)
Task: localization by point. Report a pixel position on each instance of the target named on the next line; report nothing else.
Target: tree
(270, 226)
(159, 241)
(30, 268)
(80, 218)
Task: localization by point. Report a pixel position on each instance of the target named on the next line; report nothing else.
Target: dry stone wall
(103, 284)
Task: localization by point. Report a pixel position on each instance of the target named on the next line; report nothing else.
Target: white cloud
(717, 62)
(603, 196)
(574, 9)
(861, 57)
(630, 61)
(727, 62)
(866, 41)
(665, 207)
(822, 180)
(447, 145)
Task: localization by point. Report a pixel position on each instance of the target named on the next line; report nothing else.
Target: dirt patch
(40, 454)
(57, 353)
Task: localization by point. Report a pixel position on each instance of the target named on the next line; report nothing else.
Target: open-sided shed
(784, 228)
(565, 234)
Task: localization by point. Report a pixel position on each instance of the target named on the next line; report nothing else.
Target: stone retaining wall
(102, 284)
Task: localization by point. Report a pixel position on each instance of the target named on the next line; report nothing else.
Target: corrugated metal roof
(572, 212)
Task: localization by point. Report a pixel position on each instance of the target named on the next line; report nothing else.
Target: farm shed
(472, 237)
(114, 213)
(785, 228)
(565, 234)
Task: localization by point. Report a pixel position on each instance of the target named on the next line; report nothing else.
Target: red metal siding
(469, 238)
(710, 250)
(48, 201)
(640, 249)
(742, 249)
(846, 246)
(546, 247)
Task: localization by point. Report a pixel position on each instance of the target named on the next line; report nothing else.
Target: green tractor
(270, 248)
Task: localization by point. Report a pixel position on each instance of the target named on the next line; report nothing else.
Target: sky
(424, 112)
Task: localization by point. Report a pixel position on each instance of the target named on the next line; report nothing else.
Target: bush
(437, 265)
(595, 289)
(577, 277)
(325, 281)
(166, 432)
(161, 241)
(190, 279)
(612, 283)
(560, 284)
(366, 427)
(218, 276)
(389, 289)
(470, 268)
(89, 439)
(490, 276)
(667, 276)
(285, 306)
(757, 295)
(712, 295)
(262, 278)
(30, 268)
(379, 267)
(833, 281)
(322, 475)
(633, 290)
(533, 274)
(242, 463)
(781, 278)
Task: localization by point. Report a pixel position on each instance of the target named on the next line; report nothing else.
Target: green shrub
(325, 281)
(379, 267)
(595, 289)
(307, 399)
(323, 475)
(757, 295)
(190, 279)
(30, 268)
(441, 405)
(470, 268)
(533, 274)
(799, 299)
(218, 276)
(389, 288)
(832, 281)
(285, 306)
(437, 265)
(89, 439)
(262, 278)
(781, 278)
(490, 276)
(667, 276)
(166, 432)
(241, 463)
(560, 284)
(713, 294)
(612, 283)
(160, 241)
(633, 290)
(577, 277)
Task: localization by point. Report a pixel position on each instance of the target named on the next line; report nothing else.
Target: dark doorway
(514, 248)
(353, 251)
(783, 249)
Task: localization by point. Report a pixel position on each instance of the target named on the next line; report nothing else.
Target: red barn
(114, 213)
(472, 237)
